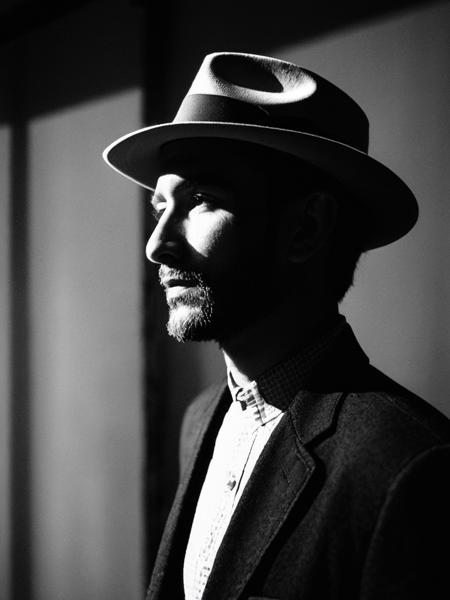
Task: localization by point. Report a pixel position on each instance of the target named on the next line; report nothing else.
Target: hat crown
(259, 90)
(251, 78)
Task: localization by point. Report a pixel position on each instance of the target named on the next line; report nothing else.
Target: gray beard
(191, 316)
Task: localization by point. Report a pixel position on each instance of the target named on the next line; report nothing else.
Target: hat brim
(391, 206)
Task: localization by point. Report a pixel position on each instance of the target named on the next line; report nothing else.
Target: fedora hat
(281, 106)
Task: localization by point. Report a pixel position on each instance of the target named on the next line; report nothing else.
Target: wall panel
(85, 356)
(4, 361)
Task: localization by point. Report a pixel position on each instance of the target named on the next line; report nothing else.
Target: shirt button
(231, 483)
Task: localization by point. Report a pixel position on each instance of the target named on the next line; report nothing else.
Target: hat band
(221, 109)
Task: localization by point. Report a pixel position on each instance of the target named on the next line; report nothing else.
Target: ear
(311, 223)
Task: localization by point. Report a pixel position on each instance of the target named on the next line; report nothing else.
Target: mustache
(167, 273)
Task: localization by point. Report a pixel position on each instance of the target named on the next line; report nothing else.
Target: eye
(157, 206)
(202, 199)
(157, 211)
(199, 197)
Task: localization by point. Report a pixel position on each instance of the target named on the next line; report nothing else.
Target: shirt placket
(239, 453)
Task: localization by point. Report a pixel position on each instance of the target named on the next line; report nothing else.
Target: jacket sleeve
(409, 554)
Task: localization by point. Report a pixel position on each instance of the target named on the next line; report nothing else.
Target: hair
(347, 246)
(291, 178)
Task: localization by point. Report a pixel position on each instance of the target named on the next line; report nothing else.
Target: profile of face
(215, 244)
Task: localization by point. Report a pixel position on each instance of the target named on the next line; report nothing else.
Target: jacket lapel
(285, 468)
(278, 483)
(167, 579)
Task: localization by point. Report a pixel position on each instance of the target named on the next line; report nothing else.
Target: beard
(191, 313)
(207, 311)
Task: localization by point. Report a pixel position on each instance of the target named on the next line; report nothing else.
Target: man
(308, 474)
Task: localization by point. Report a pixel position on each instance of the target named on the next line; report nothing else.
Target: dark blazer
(349, 499)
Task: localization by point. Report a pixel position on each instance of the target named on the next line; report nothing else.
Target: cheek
(212, 234)
(225, 242)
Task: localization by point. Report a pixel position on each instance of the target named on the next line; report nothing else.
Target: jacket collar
(279, 383)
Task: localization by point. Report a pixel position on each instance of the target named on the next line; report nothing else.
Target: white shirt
(240, 441)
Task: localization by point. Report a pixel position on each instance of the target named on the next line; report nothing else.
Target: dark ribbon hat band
(221, 109)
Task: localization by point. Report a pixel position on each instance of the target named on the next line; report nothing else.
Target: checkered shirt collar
(254, 408)
(277, 387)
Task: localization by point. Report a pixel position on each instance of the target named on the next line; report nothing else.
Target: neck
(286, 329)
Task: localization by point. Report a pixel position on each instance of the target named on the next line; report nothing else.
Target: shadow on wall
(197, 28)
(52, 60)
(399, 305)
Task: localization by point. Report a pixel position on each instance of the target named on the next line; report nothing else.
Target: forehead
(217, 162)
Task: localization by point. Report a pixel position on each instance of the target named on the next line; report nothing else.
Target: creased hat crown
(246, 88)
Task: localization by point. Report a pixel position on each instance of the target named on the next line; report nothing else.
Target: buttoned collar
(253, 404)
(273, 391)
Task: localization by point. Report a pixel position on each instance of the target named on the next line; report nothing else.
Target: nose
(165, 243)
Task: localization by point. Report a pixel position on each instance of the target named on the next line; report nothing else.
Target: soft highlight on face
(239, 223)
(215, 245)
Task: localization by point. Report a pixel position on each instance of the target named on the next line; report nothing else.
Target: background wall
(71, 427)
(4, 363)
(397, 69)
(91, 389)
(85, 357)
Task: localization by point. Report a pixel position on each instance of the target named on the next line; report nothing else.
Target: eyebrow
(192, 183)
(180, 187)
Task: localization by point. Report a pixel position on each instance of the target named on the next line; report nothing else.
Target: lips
(173, 282)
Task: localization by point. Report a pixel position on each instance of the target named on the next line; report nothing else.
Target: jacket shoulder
(380, 429)
(385, 407)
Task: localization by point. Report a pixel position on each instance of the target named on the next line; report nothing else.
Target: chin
(190, 324)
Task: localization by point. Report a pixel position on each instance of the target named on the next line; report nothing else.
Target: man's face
(215, 244)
